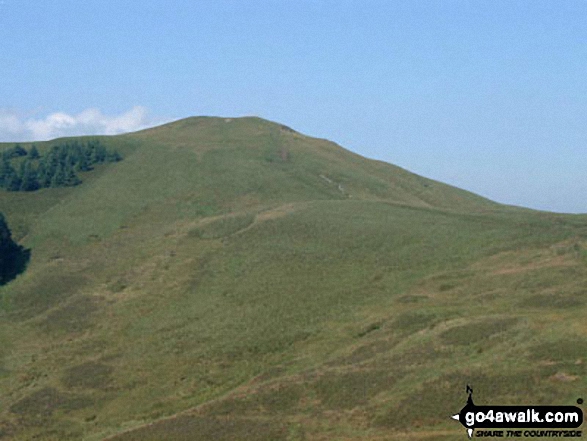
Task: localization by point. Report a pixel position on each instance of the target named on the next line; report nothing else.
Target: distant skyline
(489, 96)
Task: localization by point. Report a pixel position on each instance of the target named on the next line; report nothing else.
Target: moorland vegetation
(233, 279)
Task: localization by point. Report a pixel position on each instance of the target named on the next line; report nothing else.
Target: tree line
(58, 166)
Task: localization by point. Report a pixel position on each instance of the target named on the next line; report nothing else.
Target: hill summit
(294, 166)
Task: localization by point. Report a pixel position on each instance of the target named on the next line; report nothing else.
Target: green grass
(73, 317)
(89, 375)
(210, 273)
(194, 428)
(477, 331)
(45, 402)
(222, 227)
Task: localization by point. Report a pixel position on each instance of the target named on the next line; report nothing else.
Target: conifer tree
(71, 179)
(43, 173)
(28, 177)
(4, 170)
(113, 156)
(34, 153)
(12, 182)
(58, 178)
(82, 163)
(9, 179)
(16, 151)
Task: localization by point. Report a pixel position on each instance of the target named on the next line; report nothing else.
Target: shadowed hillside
(235, 279)
(13, 258)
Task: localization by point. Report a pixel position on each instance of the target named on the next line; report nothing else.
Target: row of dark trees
(22, 170)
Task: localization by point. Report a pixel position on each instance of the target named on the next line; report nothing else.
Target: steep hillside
(235, 279)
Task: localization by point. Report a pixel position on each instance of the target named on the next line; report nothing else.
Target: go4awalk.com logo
(520, 421)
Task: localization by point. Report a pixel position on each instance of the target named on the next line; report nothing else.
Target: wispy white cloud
(14, 127)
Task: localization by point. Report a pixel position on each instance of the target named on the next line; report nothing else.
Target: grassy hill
(235, 279)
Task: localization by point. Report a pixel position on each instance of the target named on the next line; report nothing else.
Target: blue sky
(490, 96)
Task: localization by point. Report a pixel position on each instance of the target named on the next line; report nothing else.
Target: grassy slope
(280, 287)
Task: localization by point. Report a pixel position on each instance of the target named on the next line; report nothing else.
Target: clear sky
(490, 96)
